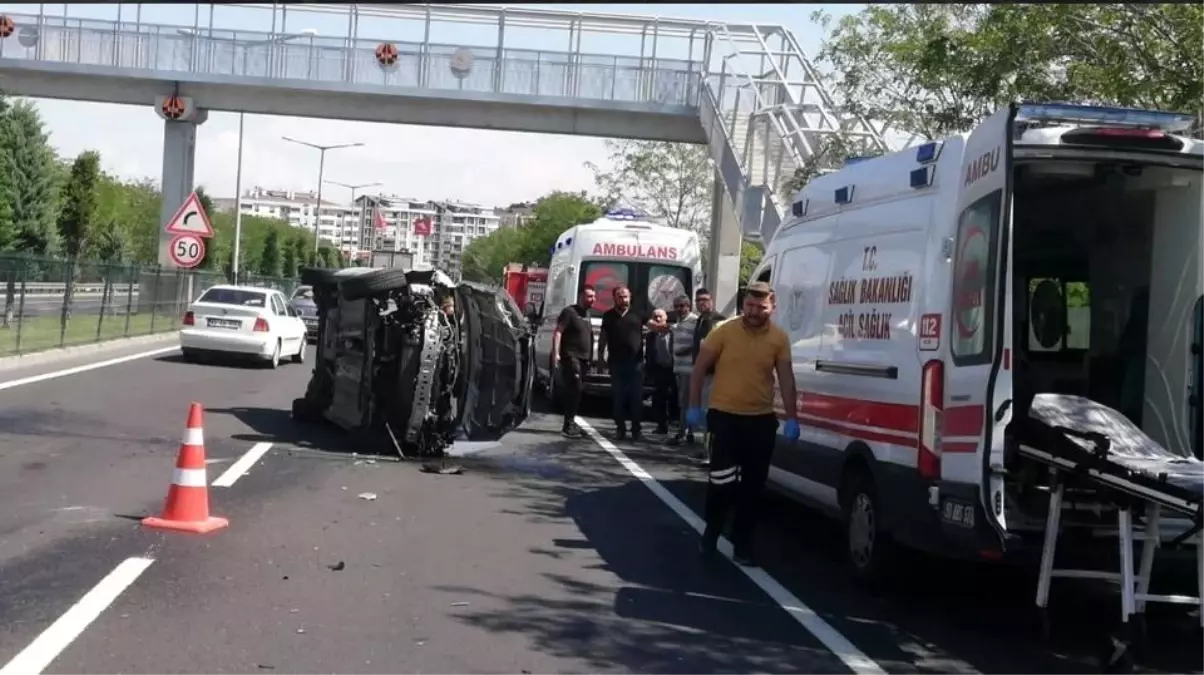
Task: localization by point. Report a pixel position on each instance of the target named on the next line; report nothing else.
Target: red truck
(526, 285)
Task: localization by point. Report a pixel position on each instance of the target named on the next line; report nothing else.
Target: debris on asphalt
(453, 470)
(338, 567)
(300, 630)
(368, 496)
(359, 462)
(264, 666)
(460, 604)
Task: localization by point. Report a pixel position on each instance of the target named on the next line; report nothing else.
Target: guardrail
(60, 288)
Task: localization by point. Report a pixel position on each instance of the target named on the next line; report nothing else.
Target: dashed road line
(54, 640)
(838, 644)
(243, 465)
(32, 379)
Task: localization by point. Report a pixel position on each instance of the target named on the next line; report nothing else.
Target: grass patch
(39, 333)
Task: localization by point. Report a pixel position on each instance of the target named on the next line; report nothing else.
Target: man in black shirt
(571, 347)
(708, 318)
(622, 337)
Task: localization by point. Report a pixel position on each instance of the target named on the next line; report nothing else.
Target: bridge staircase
(766, 113)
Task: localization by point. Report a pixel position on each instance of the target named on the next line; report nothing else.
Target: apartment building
(516, 215)
(352, 227)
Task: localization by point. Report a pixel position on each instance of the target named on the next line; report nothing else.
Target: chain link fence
(51, 303)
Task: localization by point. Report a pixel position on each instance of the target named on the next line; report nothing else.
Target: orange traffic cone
(187, 506)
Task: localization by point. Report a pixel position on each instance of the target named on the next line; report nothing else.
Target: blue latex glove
(790, 430)
(694, 417)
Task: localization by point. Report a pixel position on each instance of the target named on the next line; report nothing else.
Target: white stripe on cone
(194, 437)
(190, 478)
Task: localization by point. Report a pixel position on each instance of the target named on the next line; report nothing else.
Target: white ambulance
(932, 292)
(657, 263)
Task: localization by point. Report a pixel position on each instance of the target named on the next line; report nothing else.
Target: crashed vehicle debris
(409, 361)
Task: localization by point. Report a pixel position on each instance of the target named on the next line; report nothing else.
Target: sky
(491, 168)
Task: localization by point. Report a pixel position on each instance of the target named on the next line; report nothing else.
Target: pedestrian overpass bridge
(746, 91)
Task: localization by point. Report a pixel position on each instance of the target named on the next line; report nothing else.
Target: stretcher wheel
(1116, 655)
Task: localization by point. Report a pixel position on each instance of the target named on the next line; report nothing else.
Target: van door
(1195, 392)
(979, 383)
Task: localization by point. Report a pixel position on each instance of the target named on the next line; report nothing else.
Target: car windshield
(234, 296)
(653, 286)
(304, 293)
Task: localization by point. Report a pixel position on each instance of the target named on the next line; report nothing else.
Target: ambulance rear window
(974, 279)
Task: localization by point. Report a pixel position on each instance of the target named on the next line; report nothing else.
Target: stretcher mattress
(1096, 436)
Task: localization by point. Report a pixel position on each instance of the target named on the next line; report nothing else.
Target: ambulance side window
(974, 278)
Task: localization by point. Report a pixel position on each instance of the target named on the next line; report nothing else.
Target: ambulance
(929, 294)
(658, 263)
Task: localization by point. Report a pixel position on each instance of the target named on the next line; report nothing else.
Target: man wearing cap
(746, 353)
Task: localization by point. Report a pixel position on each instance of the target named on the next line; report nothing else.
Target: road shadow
(233, 362)
(939, 616)
(273, 425)
(668, 612)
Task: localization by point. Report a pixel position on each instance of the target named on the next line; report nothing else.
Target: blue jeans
(627, 393)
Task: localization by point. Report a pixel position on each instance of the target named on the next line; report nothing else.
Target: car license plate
(225, 323)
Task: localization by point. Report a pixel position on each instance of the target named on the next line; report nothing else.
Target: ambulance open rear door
(978, 385)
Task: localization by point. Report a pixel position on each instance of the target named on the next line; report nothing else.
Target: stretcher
(1095, 453)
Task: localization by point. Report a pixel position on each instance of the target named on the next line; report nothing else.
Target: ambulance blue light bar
(625, 214)
(1170, 122)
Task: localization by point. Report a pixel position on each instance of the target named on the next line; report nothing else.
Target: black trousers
(572, 369)
(664, 394)
(741, 450)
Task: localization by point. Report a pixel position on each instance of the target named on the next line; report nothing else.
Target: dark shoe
(636, 435)
(674, 442)
(661, 429)
(573, 431)
(689, 439)
(621, 434)
(707, 546)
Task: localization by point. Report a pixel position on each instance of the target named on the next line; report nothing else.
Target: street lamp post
(281, 39)
(321, 171)
(354, 189)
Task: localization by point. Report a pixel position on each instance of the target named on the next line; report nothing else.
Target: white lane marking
(54, 640)
(838, 644)
(243, 464)
(85, 368)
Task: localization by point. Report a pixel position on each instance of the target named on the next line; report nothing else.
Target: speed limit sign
(187, 250)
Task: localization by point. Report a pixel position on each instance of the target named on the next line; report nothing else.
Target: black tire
(299, 357)
(373, 283)
(317, 276)
(873, 560)
(305, 410)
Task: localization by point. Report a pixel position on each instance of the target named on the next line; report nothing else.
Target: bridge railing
(350, 61)
(106, 301)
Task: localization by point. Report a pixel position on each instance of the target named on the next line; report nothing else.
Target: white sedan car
(244, 321)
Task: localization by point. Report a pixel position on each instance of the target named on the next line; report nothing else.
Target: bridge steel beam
(723, 253)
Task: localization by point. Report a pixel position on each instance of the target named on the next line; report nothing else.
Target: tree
(269, 261)
(80, 199)
(289, 259)
(670, 181)
(750, 257)
(35, 193)
(301, 250)
(934, 70)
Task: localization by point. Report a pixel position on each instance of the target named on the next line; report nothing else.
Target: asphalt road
(545, 555)
(43, 304)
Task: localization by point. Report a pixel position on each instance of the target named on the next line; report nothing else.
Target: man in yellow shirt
(746, 353)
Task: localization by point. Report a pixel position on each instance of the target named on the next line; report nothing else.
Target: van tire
(872, 554)
(317, 276)
(373, 283)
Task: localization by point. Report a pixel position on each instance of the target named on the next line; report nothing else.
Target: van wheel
(871, 551)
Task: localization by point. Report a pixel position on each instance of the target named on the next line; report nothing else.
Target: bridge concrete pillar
(179, 162)
(723, 266)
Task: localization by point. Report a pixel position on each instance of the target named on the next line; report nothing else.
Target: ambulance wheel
(872, 553)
